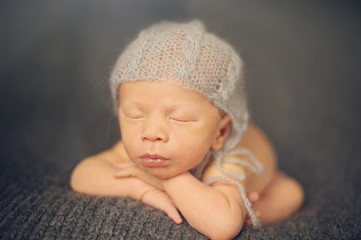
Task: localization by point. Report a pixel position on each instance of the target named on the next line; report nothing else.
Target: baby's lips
(154, 156)
(154, 160)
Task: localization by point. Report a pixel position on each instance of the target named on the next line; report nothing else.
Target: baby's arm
(218, 211)
(94, 175)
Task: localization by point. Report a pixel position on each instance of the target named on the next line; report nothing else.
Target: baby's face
(167, 129)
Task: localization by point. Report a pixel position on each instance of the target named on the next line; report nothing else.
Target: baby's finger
(138, 173)
(123, 165)
(127, 172)
(161, 200)
(121, 174)
(172, 212)
(174, 215)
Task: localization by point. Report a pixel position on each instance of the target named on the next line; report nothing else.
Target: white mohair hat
(187, 54)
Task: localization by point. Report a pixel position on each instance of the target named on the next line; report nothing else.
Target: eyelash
(183, 120)
(171, 119)
(179, 120)
(133, 117)
(140, 117)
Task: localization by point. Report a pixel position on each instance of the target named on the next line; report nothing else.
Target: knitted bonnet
(187, 54)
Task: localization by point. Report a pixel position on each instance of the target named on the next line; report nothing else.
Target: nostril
(153, 139)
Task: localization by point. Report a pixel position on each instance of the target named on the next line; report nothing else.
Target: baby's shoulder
(212, 170)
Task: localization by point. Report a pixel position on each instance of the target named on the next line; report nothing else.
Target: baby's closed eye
(183, 117)
(132, 113)
(182, 120)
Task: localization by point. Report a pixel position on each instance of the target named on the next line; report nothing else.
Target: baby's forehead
(170, 94)
(164, 88)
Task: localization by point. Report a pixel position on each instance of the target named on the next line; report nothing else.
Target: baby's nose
(155, 131)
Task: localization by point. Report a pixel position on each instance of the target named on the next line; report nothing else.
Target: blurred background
(302, 68)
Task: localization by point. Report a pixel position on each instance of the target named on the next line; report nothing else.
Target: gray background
(302, 65)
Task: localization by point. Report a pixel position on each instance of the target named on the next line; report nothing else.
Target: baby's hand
(155, 196)
(129, 169)
(161, 200)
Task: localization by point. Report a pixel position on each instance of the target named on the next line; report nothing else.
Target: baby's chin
(162, 173)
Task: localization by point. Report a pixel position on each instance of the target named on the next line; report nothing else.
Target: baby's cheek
(130, 145)
(196, 149)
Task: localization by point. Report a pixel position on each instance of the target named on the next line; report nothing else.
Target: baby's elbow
(79, 179)
(224, 233)
(226, 230)
(76, 179)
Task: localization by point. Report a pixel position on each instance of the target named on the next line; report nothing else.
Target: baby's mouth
(153, 160)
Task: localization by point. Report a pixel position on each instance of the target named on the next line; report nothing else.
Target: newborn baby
(186, 142)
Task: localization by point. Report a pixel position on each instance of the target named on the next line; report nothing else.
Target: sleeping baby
(187, 147)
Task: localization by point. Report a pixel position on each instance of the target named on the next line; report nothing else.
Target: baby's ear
(223, 132)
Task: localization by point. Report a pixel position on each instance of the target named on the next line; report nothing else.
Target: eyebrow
(169, 108)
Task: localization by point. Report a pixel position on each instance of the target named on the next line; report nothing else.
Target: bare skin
(95, 175)
(218, 210)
